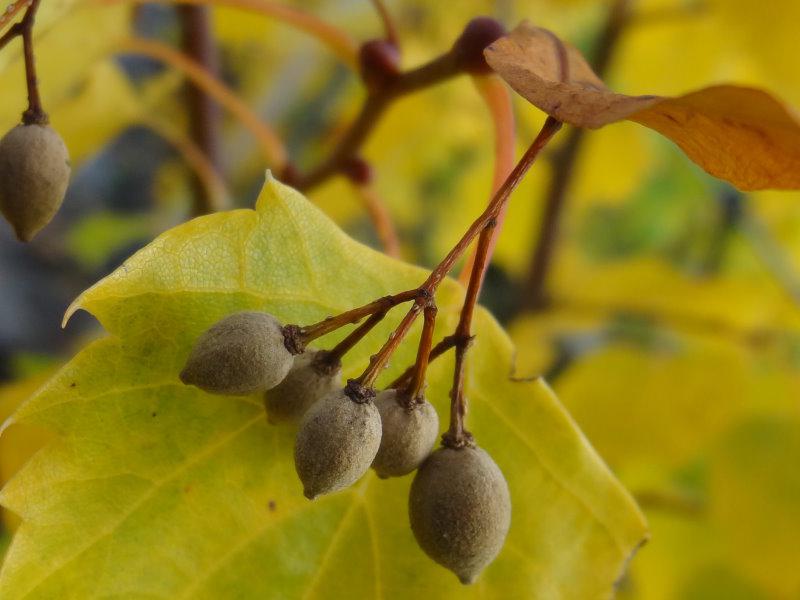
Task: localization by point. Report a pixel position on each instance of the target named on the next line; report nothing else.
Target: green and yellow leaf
(156, 489)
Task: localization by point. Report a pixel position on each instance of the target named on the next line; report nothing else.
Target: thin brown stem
(440, 69)
(337, 352)
(360, 389)
(414, 391)
(446, 343)
(534, 294)
(457, 436)
(198, 43)
(298, 337)
(549, 129)
(363, 385)
(34, 114)
(13, 31)
(7, 15)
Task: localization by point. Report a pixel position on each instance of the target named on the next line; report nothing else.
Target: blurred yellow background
(672, 331)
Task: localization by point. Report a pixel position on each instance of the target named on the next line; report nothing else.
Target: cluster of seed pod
(34, 173)
(459, 504)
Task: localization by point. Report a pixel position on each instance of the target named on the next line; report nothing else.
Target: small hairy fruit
(336, 443)
(409, 434)
(310, 379)
(460, 510)
(242, 354)
(34, 174)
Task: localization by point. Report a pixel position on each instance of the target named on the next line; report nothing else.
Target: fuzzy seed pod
(34, 174)
(242, 354)
(337, 441)
(460, 510)
(309, 380)
(408, 435)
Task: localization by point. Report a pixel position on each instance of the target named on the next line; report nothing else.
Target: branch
(11, 11)
(198, 44)
(301, 336)
(457, 436)
(34, 114)
(372, 109)
(361, 387)
(385, 84)
(413, 392)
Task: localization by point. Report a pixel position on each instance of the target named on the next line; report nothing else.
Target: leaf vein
(206, 452)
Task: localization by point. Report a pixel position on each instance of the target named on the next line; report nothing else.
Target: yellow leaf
(755, 466)
(19, 441)
(190, 494)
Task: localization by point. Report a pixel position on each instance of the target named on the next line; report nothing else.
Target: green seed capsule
(310, 379)
(336, 443)
(241, 354)
(409, 434)
(460, 510)
(34, 174)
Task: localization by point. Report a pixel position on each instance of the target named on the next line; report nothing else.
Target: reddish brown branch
(7, 15)
(466, 56)
(198, 43)
(13, 31)
(414, 391)
(298, 337)
(549, 129)
(337, 352)
(360, 388)
(457, 436)
(24, 29)
(445, 344)
(436, 71)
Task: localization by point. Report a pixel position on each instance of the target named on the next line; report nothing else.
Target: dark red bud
(379, 62)
(479, 33)
(358, 171)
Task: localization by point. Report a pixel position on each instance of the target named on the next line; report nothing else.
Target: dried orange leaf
(739, 134)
